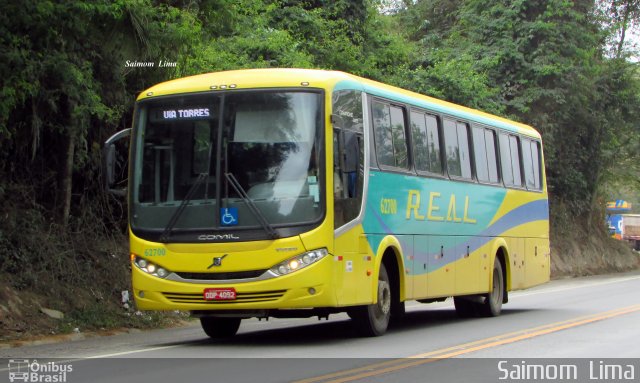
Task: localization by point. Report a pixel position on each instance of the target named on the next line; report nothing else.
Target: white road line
(543, 290)
(560, 289)
(95, 356)
(133, 351)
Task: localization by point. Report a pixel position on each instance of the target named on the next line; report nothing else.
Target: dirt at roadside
(27, 317)
(590, 255)
(20, 315)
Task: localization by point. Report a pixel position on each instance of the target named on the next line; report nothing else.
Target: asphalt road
(594, 319)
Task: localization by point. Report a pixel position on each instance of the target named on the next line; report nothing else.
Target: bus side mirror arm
(109, 160)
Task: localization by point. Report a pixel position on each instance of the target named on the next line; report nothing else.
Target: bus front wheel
(220, 328)
(373, 320)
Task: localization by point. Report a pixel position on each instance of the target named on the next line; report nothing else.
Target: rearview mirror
(111, 164)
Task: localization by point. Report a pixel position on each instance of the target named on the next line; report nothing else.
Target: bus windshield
(187, 148)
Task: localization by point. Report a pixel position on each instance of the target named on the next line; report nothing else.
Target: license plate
(214, 294)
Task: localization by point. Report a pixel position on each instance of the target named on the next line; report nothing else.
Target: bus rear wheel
(492, 305)
(486, 305)
(220, 328)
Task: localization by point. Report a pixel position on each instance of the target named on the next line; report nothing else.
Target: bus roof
(315, 78)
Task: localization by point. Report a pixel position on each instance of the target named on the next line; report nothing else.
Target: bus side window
(338, 184)
(537, 160)
(426, 142)
(456, 138)
(383, 134)
(348, 173)
(348, 155)
(465, 157)
(351, 162)
(505, 159)
(346, 162)
(510, 159)
(515, 159)
(531, 162)
(484, 149)
(400, 152)
(492, 159)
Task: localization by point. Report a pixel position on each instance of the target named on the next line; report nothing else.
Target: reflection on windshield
(268, 140)
(272, 171)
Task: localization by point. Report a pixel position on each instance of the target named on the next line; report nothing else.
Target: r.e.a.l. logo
(23, 370)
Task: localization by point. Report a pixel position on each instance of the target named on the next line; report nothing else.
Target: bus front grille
(262, 296)
(221, 276)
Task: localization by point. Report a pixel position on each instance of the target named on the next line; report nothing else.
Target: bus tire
(492, 305)
(219, 327)
(373, 320)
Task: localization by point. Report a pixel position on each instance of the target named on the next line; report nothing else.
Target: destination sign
(178, 114)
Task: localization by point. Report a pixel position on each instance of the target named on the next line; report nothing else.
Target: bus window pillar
(350, 159)
(161, 153)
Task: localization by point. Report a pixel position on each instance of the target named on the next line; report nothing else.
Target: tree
(541, 62)
(620, 17)
(67, 79)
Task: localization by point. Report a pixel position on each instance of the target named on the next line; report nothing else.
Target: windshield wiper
(252, 206)
(187, 198)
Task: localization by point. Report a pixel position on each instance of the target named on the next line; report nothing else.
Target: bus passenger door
(347, 200)
(348, 175)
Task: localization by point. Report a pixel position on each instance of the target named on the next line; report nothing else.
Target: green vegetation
(565, 67)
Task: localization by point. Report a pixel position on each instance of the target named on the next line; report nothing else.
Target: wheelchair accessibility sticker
(229, 216)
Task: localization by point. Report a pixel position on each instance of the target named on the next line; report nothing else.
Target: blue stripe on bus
(527, 213)
(532, 211)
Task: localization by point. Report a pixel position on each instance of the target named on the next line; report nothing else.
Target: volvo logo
(217, 261)
(217, 237)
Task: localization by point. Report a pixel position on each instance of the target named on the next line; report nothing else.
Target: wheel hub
(384, 297)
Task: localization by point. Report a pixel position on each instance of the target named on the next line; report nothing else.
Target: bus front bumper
(310, 287)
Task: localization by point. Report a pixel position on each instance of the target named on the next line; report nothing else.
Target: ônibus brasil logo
(23, 370)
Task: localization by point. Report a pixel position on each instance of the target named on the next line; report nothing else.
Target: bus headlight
(298, 262)
(150, 268)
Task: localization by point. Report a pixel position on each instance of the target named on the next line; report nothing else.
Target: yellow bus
(298, 193)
